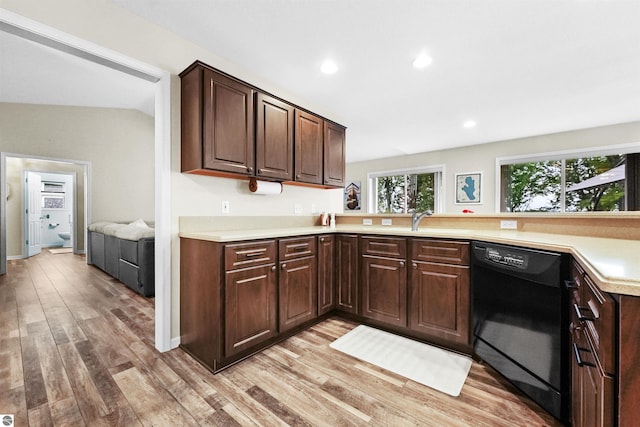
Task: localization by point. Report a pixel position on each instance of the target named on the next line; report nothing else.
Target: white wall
(482, 158)
(109, 26)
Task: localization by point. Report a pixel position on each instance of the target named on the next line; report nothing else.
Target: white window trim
(439, 171)
(562, 155)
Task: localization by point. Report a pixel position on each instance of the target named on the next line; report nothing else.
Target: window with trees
(405, 191)
(569, 184)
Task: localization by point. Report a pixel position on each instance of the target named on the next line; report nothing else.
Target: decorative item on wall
(352, 196)
(468, 188)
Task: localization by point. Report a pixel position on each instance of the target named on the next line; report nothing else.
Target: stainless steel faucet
(416, 217)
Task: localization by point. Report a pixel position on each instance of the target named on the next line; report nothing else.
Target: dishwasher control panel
(501, 256)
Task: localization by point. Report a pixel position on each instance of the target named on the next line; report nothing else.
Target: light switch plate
(225, 207)
(297, 208)
(387, 221)
(367, 221)
(508, 224)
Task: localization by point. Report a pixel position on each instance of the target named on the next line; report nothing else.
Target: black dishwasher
(520, 320)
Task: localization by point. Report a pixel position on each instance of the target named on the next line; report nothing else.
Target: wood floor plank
(11, 372)
(40, 416)
(87, 395)
(148, 402)
(65, 412)
(36, 391)
(299, 398)
(13, 401)
(54, 375)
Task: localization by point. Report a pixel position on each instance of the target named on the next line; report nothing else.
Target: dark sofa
(126, 252)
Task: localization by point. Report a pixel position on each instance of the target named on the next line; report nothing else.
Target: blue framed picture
(468, 188)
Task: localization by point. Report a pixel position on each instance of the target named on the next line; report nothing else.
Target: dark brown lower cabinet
(347, 273)
(297, 292)
(250, 308)
(326, 273)
(439, 301)
(592, 389)
(384, 290)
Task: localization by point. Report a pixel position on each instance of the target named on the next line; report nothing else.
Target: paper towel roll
(264, 187)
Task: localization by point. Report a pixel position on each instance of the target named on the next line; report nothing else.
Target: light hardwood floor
(76, 348)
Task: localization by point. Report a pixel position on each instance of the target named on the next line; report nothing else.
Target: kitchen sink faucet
(416, 217)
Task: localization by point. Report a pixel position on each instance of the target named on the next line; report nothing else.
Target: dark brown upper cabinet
(232, 129)
(217, 123)
(274, 138)
(334, 154)
(309, 146)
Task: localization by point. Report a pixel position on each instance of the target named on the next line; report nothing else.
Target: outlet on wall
(387, 221)
(297, 208)
(225, 207)
(508, 224)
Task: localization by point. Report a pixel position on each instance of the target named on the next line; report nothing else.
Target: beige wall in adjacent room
(118, 144)
(482, 158)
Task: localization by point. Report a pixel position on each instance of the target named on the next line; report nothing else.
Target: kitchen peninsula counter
(612, 263)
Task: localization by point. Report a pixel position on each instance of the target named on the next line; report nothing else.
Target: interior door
(34, 214)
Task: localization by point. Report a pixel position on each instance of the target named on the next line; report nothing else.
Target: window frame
(438, 184)
(561, 156)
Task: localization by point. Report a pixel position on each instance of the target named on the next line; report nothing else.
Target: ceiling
(32, 73)
(515, 67)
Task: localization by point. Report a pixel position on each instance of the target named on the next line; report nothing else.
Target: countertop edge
(618, 285)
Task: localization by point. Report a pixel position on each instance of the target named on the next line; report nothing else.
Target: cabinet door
(250, 307)
(228, 141)
(298, 292)
(274, 138)
(326, 277)
(309, 146)
(384, 290)
(347, 273)
(439, 298)
(334, 154)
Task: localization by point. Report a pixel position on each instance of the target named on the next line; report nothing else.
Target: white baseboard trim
(175, 342)
(14, 257)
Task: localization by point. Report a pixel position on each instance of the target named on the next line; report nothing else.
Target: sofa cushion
(135, 231)
(98, 227)
(110, 229)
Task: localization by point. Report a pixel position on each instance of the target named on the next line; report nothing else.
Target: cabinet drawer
(296, 247)
(244, 255)
(390, 247)
(128, 274)
(597, 316)
(129, 251)
(576, 285)
(440, 251)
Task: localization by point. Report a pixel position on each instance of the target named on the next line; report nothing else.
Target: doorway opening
(48, 204)
(44, 35)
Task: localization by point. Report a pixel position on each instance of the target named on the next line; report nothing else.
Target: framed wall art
(352, 196)
(469, 188)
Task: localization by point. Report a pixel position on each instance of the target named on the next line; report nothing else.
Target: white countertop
(614, 264)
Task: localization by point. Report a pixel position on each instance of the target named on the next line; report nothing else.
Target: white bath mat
(432, 366)
(61, 250)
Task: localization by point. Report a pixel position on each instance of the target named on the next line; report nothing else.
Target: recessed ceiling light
(469, 124)
(329, 67)
(422, 61)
